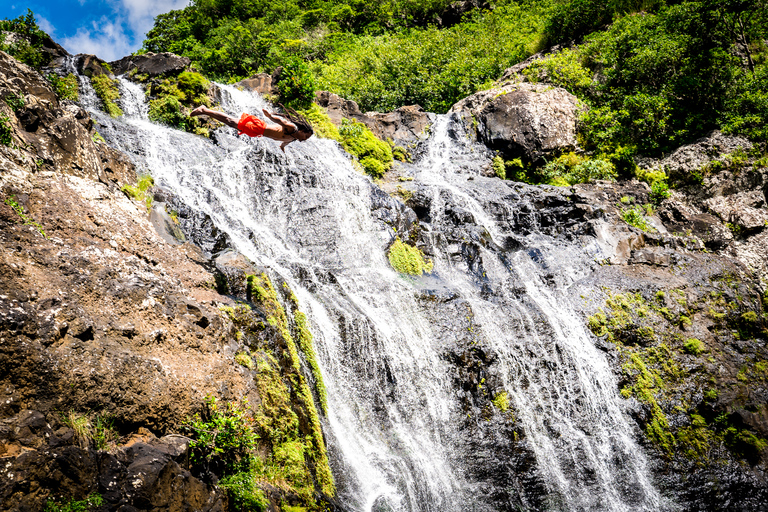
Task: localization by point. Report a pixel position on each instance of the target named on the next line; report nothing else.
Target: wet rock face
(151, 64)
(523, 120)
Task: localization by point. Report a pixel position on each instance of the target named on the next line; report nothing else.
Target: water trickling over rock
(413, 364)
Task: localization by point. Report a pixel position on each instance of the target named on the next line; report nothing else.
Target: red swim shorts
(251, 125)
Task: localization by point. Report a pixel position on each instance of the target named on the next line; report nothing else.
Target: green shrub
(167, 110)
(570, 169)
(107, 91)
(296, 84)
(408, 259)
(15, 101)
(6, 131)
(659, 191)
(635, 216)
(563, 69)
(92, 502)
(243, 492)
(140, 191)
(374, 154)
(746, 109)
(321, 123)
(67, 88)
(193, 86)
(223, 438)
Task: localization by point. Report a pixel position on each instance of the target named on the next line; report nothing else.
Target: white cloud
(45, 25)
(105, 39)
(141, 13)
(111, 39)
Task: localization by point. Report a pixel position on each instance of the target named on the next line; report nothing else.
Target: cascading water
(399, 435)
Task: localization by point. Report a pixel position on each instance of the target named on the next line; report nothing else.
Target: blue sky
(110, 29)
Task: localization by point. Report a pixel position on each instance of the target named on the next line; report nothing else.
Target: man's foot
(199, 111)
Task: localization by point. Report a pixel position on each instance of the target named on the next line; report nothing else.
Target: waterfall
(398, 435)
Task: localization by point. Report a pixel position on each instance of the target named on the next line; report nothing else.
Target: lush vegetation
(659, 78)
(654, 74)
(66, 87)
(24, 41)
(106, 90)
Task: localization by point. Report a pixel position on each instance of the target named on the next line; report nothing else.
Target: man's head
(303, 127)
(302, 135)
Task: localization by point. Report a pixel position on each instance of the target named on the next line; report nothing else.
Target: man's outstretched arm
(280, 120)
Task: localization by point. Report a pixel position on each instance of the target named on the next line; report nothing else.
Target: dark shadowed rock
(90, 65)
(151, 64)
(524, 120)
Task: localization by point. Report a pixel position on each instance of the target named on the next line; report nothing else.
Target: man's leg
(219, 116)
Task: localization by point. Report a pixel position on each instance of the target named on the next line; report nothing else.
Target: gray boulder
(693, 157)
(403, 125)
(151, 64)
(260, 82)
(527, 120)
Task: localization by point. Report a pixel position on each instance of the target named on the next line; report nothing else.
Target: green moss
(141, 191)
(244, 359)
(697, 439)
(278, 421)
(711, 395)
(693, 346)
(598, 324)
(106, 90)
(92, 502)
(407, 259)
(501, 401)
(307, 347)
(167, 110)
(499, 169)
